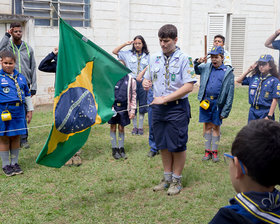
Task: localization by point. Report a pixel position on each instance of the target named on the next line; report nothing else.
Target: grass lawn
(104, 190)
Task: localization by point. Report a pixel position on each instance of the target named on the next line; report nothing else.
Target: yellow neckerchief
(16, 84)
(258, 92)
(18, 52)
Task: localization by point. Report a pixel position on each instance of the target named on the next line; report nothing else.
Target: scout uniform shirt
(134, 61)
(262, 90)
(170, 74)
(8, 89)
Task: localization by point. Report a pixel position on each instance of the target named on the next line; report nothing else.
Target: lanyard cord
(18, 51)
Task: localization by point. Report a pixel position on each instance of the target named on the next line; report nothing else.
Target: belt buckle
(177, 101)
(119, 104)
(257, 107)
(212, 97)
(17, 104)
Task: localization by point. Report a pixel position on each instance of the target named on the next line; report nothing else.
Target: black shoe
(25, 145)
(152, 153)
(116, 153)
(8, 171)
(122, 153)
(17, 169)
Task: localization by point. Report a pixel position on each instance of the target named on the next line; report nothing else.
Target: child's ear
(238, 169)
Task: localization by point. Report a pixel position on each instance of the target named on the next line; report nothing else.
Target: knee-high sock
(208, 138)
(134, 121)
(14, 156)
(141, 120)
(121, 139)
(215, 140)
(5, 158)
(113, 139)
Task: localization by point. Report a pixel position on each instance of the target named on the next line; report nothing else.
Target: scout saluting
(216, 93)
(14, 92)
(264, 88)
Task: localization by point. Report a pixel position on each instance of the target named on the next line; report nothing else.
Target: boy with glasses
(254, 166)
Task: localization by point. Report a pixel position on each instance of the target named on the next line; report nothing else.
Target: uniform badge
(227, 57)
(193, 74)
(266, 95)
(252, 92)
(173, 77)
(191, 62)
(278, 87)
(6, 89)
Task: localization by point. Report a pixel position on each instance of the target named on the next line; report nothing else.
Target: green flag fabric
(84, 94)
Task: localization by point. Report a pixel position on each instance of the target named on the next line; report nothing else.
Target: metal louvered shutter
(237, 44)
(216, 25)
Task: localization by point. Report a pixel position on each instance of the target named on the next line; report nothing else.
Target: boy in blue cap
(254, 165)
(264, 87)
(217, 89)
(172, 76)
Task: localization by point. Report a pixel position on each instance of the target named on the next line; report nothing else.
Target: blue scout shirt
(8, 90)
(169, 77)
(136, 63)
(215, 81)
(261, 93)
(276, 45)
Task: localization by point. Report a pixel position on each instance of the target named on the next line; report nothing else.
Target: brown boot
(69, 162)
(77, 161)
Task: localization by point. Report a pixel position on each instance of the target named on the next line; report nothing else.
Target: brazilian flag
(84, 94)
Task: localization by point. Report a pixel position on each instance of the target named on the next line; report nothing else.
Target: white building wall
(114, 22)
(6, 6)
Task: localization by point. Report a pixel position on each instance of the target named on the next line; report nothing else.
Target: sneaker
(25, 145)
(17, 169)
(122, 153)
(175, 187)
(163, 185)
(76, 160)
(207, 156)
(69, 162)
(215, 157)
(152, 154)
(8, 171)
(116, 153)
(140, 131)
(134, 131)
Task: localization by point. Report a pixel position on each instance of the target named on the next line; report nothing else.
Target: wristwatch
(269, 117)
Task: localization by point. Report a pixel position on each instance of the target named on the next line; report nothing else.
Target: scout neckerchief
(166, 65)
(18, 52)
(258, 92)
(139, 56)
(16, 84)
(249, 205)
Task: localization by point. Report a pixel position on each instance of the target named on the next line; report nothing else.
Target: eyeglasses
(227, 156)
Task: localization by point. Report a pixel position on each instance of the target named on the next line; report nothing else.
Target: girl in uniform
(264, 88)
(136, 60)
(14, 92)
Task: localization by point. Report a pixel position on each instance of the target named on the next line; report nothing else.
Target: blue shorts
(170, 125)
(121, 118)
(255, 114)
(212, 114)
(16, 126)
(142, 98)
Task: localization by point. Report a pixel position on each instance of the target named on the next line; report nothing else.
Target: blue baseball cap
(217, 50)
(266, 58)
